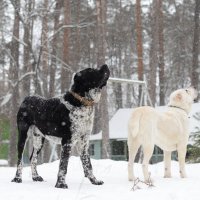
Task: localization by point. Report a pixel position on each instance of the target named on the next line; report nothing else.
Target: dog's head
(183, 98)
(89, 82)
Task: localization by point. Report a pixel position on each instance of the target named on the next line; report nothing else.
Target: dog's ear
(77, 76)
(178, 97)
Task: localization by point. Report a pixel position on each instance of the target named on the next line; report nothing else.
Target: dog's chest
(81, 123)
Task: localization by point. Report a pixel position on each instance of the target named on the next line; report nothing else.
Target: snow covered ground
(116, 186)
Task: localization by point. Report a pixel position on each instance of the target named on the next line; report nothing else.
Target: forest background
(43, 42)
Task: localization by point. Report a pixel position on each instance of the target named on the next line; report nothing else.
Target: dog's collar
(83, 100)
(171, 106)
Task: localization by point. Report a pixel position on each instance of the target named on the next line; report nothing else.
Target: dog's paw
(61, 185)
(95, 181)
(38, 178)
(99, 183)
(167, 176)
(131, 178)
(17, 180)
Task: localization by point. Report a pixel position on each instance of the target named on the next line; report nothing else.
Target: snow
(116, 185)
(6, 99)
(118, 123)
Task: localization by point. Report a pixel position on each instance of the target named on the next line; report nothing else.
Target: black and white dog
(68, 120)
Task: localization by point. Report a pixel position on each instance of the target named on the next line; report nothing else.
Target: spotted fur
(66, 121)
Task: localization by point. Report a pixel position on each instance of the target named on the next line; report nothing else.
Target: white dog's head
(183, 98)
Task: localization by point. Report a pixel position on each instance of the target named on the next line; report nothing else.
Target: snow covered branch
(23, 77)
(65, 65)
(6, 98)
(81, 25)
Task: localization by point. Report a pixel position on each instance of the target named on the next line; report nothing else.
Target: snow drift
(116, 185)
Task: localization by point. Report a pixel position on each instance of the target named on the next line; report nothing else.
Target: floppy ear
(178, 97)
(77, 77)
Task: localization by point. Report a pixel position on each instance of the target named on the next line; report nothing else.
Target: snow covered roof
(118, 123)
(3, 162)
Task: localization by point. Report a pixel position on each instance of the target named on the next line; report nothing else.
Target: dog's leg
(65, 154)
(133, 147)
(167, 161)
(87, 166)
(38, 142)
(148, 151)
(22, 129)
(181, 158)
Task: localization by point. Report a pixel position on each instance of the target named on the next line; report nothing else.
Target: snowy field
(116, 186)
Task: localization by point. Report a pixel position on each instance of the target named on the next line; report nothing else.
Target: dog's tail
(134, 123)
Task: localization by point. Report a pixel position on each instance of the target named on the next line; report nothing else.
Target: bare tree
(26, 53)
(2, 50)
(14, 62)
(153, 52)
(156, 52)
(118, 72)
(54, 52)
(45, 68)
(101, 44)
(66, 74)
(161, 53)
(44, 45)
(195, 51)
(139, 43)
(77, 54)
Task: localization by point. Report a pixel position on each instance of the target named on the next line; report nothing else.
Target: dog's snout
(193, 87)
(104, 68)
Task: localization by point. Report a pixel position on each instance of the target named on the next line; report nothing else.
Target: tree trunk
(78, 41)
(153, 59)
(139, 43)
(45, 71)
(195, 51)
(57, 11)
(101, 49)
(14, 67)
(105, 151)
(161, 63)
(54, 55)
(44, 44)
(26, 61)
(66, 74)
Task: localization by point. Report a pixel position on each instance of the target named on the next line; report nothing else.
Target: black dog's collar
(83, 100)
(178, 108)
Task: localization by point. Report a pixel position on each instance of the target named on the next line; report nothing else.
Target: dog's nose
(194, 87)
(104, 68)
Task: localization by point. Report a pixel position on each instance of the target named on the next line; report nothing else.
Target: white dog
(168, 130)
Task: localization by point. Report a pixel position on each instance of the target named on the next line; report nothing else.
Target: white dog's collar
(171, 106)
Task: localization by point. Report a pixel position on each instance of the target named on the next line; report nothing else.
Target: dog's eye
(186, 90)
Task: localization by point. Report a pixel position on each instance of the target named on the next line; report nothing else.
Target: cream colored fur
(168, 130)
